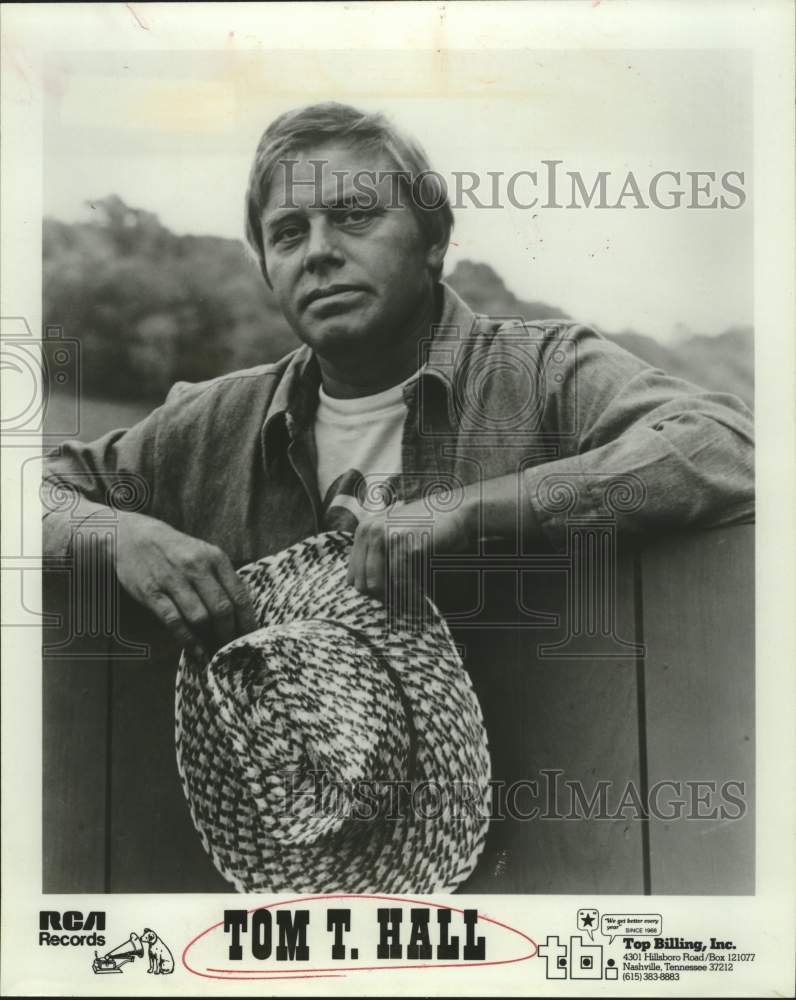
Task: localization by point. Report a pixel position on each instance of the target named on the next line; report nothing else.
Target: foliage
(150, 307)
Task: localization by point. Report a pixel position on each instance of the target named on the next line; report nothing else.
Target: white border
(30, 31)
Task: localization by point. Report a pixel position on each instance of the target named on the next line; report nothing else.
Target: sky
(174, 133)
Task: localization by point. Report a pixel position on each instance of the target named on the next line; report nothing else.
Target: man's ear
(435, 253)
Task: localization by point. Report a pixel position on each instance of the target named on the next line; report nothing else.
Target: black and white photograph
(393, 464)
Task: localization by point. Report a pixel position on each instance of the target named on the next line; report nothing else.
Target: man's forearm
(59, 525)
(644, 488)
(499, 509)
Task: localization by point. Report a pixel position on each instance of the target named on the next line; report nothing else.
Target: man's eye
(286, 234)
(356, 216)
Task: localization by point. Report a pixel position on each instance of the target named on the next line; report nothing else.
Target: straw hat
(326, 752)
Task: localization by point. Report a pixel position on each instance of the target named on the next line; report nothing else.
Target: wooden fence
(604, 711)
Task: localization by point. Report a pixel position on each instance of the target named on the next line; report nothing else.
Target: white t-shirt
(358, 443)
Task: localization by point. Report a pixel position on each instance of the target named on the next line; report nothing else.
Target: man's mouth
(331, 294)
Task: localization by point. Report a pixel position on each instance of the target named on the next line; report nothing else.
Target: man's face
(350, 270)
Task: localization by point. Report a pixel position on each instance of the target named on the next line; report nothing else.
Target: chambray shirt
(588, 430)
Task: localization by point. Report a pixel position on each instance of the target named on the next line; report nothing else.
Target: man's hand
(189, 585)
(391, 549)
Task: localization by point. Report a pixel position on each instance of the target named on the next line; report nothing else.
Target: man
(403, 417)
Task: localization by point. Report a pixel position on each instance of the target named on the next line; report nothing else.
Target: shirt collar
(456, 322)
(296, 395)
(292, 403)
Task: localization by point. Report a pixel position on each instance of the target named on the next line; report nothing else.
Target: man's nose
(322, 247)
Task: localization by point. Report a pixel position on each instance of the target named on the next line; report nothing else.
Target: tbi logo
(52, 921)
(578, 961)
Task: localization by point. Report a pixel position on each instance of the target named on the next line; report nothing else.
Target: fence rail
(586, 692)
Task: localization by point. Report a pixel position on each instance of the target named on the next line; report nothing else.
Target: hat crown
(316, 723)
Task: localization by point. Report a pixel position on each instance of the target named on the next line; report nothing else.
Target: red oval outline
(241, 975)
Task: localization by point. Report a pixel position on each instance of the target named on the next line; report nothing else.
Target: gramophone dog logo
(161, 960)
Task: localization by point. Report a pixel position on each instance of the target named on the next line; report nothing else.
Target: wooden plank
(74, 765)
(153, 844)
(574, 718)
(698, 622)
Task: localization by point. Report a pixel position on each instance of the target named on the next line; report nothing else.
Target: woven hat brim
(232, 713)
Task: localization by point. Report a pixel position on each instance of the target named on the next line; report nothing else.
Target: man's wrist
(499, 509)
(471, 515)
(490, 510)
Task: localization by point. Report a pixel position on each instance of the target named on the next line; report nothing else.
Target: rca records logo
(161, 960)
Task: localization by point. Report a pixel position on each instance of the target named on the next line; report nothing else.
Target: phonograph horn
(112, 960)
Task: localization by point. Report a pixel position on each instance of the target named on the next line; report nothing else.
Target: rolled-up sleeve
(82, 480)
(653, 451)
